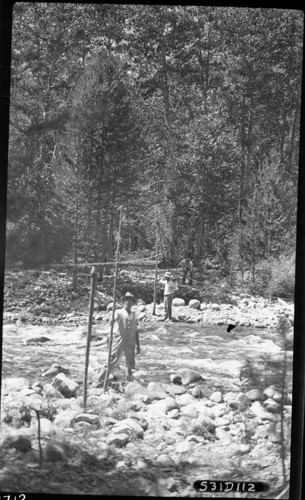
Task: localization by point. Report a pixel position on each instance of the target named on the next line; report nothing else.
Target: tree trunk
(243, 161)
(166, 100)
(249, 151)
(201, 227)
(207, 69)
(110, 237)
(75, 241)
(246, 150)
(89, 224)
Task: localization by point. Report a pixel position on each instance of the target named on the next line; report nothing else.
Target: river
(165, 348)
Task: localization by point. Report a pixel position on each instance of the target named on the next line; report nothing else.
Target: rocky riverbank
(162, 437)
(49, 297)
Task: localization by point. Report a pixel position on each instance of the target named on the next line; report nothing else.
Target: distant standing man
(169, 288)
(125, 338)
(187, 268)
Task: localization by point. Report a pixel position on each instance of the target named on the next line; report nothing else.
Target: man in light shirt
(169, 289)
(125, 338)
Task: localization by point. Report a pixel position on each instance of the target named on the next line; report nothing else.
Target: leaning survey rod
(114, 298)
(91, 305)
(156, 275)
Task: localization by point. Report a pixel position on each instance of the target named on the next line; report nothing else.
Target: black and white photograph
(150, 341)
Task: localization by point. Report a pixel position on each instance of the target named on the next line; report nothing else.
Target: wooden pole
(91, 305)
(114, 297)
(156, 275)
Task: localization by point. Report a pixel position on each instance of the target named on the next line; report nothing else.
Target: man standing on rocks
(169, 288)
(125, 338)
(187, 268)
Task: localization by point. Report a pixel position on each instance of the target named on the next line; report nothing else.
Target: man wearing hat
(169, 289)
(125, 338)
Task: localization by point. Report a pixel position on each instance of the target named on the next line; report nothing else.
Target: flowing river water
(165, 348)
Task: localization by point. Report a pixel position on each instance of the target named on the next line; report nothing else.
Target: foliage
(266, 371)
(275, 277)
(252, 374)
(206, 430)
(283, 278)
(20, 416)
(120, 411)
(187, 115)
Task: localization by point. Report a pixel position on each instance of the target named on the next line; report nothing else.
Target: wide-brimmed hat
(167, 275)
(129, 295)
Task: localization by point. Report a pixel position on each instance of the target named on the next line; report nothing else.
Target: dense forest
(187, 116)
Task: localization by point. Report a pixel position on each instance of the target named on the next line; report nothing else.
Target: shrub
(48, 412)
(206, 430)
(283, 278)
(120, 412)
(275, 277)
(252, 374)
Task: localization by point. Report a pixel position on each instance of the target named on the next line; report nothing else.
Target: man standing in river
(169, 288)
(125, 338)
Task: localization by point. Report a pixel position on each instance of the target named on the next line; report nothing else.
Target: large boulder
(49, 391)
(156, 391)
(216, 397)
(87, 417)
(19, 441)
(277, 396)
(189, 411)
(237, 401)
(270, 391)
(177, 302)
(128, 426)
(215, 307)
(133, 390)
(164, 461)
(272, 405)
(175, 389)
(175, 378)
(139, 419)
(255, 395)
(66, 386)
(185, 399)
(46, 426)
(188, 376)
(65, 418)
(15, 384)
(54, 370)
(194, 304)
(196, 392)
(118, 439)
(163, 406)
(220, 409)
(203, 306)
(55, 451)
(37, 339)
(258, 409)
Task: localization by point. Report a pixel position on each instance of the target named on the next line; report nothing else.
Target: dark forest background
(187, 116)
